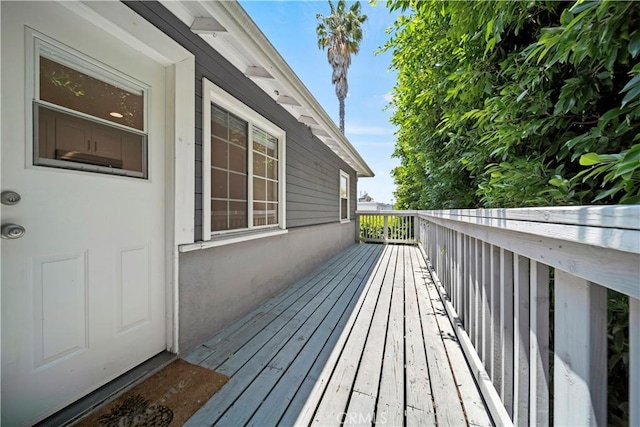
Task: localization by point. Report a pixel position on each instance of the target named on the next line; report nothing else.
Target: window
(243, 167)
(87, 117)
(344, 196)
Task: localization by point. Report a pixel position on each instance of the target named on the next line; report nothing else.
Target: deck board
(361, 339)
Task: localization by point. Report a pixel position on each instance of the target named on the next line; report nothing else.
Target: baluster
(634, 361)
(459, 254)
(521, 340)
(539, 344)
(506, 326)
(580, 351)
(496, 344)
(486, 307)
(471, 283)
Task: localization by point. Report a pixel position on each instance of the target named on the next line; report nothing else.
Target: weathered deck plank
(362, 340)
(271, 317)
(420, 410)
(341, 384)
(474, 409)
(248, 364)
(391, 404)
(448, 408)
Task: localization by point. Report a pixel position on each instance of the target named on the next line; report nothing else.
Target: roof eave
(240, 26)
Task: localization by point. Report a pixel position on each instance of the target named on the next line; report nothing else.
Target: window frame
(211, 93)
(344, 174)
(41, 45)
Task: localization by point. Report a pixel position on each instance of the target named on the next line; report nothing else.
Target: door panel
(83, 291)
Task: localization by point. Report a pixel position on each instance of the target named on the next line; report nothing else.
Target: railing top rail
(583, 241)
(617, 216)
(388, 213)
(593, 226)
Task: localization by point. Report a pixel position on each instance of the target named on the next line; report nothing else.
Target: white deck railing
(497, 269)
(387, 226)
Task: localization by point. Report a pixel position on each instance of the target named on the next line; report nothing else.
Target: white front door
(83, 291)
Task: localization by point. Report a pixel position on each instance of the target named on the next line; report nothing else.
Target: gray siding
(312, 168)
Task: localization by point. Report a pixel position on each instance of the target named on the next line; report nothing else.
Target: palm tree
(340, 33)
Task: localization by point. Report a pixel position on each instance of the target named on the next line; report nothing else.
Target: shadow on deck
(365, 338)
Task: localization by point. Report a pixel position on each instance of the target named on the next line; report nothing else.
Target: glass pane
(344, 214)
(218, 183)
(272, 191)
(343, 186)
(258, 164)
(237, 186)
(237, 215)
(237, 131)
(259, 147)
(259, 189)
(264, 142)
(219, 153)
(272, 168)
(72, 141)
(272, 213)
(259, 214)
(219, 219)
(237, 159)
(219, 126)
(66, 87)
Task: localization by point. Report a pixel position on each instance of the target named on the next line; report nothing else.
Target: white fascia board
(234, 18)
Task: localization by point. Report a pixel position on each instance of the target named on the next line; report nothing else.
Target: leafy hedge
(509, 104)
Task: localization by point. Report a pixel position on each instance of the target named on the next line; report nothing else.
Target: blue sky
(291, 28)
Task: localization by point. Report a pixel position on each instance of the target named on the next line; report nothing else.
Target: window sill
(231, 239)
(345, 221)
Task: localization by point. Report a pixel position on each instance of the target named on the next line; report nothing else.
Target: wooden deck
(363, 339)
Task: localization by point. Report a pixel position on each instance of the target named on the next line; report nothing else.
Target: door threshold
(108, 392)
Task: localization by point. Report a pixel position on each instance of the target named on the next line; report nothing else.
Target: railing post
(386, 229)
(416, 227)
(580, 352)
(358, 228)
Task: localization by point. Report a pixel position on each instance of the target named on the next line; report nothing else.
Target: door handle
(12, 231)
(9, 198)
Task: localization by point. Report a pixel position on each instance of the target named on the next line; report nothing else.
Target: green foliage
(496, 103)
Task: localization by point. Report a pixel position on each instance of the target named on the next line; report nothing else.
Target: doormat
(167, 398)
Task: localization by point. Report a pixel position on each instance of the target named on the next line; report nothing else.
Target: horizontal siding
(312, 168)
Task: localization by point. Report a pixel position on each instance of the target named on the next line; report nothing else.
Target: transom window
(87, 117)
(243, 167)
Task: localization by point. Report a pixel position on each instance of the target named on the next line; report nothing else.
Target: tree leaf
(631, 95)
(634, 44)
(589, 159)
(633, 82)
(522, 95)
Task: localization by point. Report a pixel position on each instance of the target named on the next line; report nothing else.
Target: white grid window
(243, 167)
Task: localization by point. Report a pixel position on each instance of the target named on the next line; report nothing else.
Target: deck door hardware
(12, 231)
(9, 198)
